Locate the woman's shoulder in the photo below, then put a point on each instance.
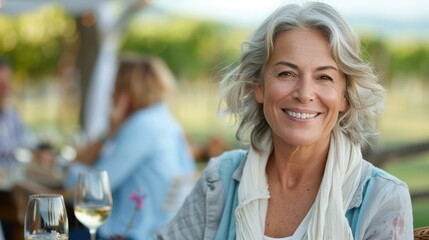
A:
(156, 113)
(152, 120)
(221, 169)
(384, 201)
(380, 176)
(380, 187)
(228, 162)
(377, 184)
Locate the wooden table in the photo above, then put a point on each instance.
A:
(9, 215)
(13, 203)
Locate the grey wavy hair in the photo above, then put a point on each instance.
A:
(365, 95)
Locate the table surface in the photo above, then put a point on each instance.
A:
(13, 202)
(9, 214)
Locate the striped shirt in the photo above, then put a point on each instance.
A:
(13, 134)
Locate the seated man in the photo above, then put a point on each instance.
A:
(13, 132)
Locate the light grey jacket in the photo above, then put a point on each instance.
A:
(380, 209)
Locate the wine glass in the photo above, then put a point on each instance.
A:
(93, 199)
(46, 218)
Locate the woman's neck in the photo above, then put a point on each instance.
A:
(298, 166)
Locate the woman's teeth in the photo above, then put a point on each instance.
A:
(301, 115)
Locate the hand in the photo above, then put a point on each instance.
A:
(119, 113)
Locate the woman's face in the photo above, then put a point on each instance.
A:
(303, 90)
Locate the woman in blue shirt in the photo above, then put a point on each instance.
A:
(144, 151)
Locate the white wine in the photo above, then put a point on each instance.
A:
(92, 216)
(47, 236)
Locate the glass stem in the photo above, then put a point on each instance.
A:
(92, 233)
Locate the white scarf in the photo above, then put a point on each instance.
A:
(339, 183)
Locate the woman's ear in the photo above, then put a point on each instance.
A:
(258, 90)
(344, 104)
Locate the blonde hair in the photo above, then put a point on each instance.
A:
(148, 79)
(364, 93)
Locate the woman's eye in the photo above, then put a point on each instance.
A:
(285, 74)
(325, 77)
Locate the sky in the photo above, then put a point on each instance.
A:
(245, 10)
(399, 18)
(388, 16)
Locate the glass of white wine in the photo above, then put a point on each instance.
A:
(46, 218)
(93, 199)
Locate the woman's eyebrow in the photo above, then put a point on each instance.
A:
(289, 64)
(328, 67)
(293, 66)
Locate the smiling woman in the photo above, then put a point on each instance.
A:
(309, 102)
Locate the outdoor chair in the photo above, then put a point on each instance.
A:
(421, 233)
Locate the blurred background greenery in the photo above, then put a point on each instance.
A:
(198, 51)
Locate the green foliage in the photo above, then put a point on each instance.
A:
(196, 49)
(396, 61)
(34, 41)
(193, 49)
(414, 62)
(420, 213)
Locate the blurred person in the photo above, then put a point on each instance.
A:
(308, 102)
(17, 141)
(44, 156)
(144, 150)
(13, 131)
(45, 166)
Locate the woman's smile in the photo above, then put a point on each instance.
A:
(304, 115)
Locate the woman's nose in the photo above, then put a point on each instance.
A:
(304, 90)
